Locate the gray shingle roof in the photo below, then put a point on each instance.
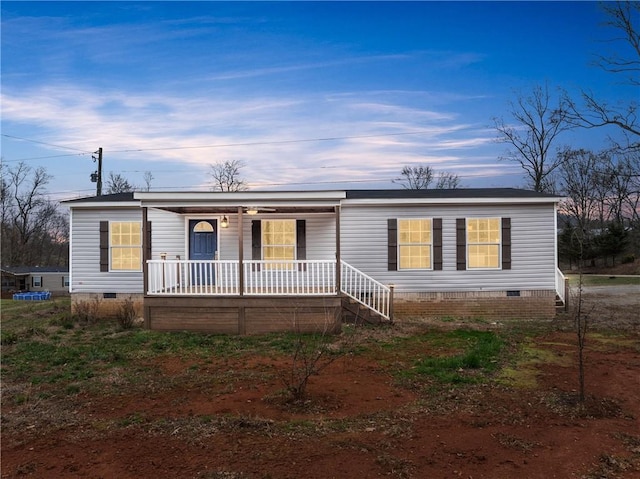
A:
(453, 193)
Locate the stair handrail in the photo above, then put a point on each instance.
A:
(365, 290)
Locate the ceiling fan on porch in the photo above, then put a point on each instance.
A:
(254, 210)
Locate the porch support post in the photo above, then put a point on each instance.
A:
(240, 252)
(145, 266)
(242, 327)
(338, 260)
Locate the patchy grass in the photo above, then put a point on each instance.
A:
(523, 370)
(603, 280)
(460, 356)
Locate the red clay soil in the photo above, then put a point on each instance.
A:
(358, 423)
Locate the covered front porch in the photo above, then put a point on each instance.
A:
(258, 296)
(218, 275)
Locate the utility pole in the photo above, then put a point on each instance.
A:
(96, 176)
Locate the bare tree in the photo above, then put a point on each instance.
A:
(116, 183)
(447, 181)
(623, 16)
(421, 177)
(31, 223)
(148, 177)
(537, 126)
(225, 176)
(579, 180)
(415, 177)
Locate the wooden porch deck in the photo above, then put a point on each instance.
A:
(243, 314)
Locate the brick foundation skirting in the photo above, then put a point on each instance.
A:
(108, 303)
(487, 305)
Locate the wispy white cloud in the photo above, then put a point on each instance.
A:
(282, 140)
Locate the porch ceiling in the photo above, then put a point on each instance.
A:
(230, 210)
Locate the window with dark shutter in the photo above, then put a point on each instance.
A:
(461, 244)
(148, 245)
(392, 242)
(256, 243)
(104, 246)
(437, 243)
(506, 243)
(301, 242)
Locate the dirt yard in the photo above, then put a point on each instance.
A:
(360, 420)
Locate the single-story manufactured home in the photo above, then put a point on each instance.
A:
(257, 261)
(54, 279)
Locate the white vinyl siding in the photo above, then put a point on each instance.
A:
(320, 236)
(364, 245)
(85, 261)
(168, 235)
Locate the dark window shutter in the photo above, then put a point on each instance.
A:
(461, 244)
(104, 246)
(148, 245)
(301, 242)
(256, 242)
(301, 239)
(392, 242)
(437, 243)
(506, 243)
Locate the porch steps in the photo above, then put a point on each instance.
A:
(561, 306)
(355, 312)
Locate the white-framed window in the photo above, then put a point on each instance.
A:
(279, 240)
(415, 244)
(66, 281)
(483, 243)
(36, 281)
(125, 245)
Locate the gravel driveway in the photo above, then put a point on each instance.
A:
(616, 307)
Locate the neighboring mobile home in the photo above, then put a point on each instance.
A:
(258, 261)
(54, 279)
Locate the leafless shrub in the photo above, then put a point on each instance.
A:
(314, 352)
(126, 314)
(86, 312)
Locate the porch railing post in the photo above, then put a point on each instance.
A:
(338, 260)
(240, 253)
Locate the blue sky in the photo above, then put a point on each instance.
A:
(307, 95)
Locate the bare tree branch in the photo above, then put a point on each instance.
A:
(226, 176)
(536, 129)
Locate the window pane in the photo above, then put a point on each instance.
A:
(278, 239)
(483, 256)
(126, 259)
(414, 240)
(483, 240)
(126, 242)
(415, 257)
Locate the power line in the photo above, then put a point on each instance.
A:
(45, 157)
(45, 143)
(260, 143)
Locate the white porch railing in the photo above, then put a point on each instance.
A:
(281, 278)
(193, 278)
(289, 278)
(561, 285)
(365, 290)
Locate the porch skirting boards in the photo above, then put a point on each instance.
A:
(487, 305)
(243, 315)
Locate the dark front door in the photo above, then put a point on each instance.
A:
(203, 246)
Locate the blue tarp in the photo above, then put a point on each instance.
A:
(34, 296)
